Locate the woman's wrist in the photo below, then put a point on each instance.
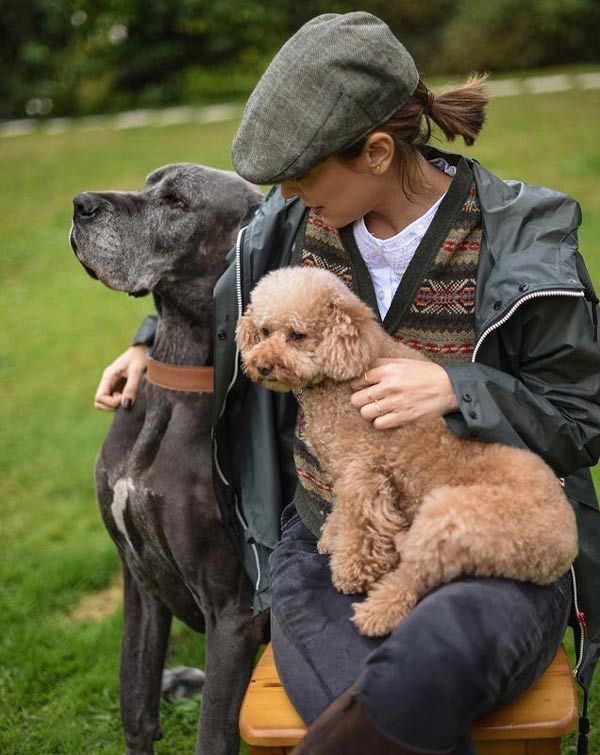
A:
(450, 398)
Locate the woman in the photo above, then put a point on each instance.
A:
(456, 263)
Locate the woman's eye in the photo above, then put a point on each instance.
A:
(264, 331)
(297, 336)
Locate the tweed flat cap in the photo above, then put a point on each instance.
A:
(339, 77)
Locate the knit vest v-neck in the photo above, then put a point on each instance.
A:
(432, 309)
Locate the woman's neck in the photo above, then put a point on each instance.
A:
(394, 211)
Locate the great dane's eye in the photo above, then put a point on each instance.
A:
(264, 331)
(297, 336)
(175, 202)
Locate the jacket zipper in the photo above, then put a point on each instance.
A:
(515, 306)
(238, 287)
(224, 480)
(580, 621)
(486, 332)
(254, 549)
(238, 290)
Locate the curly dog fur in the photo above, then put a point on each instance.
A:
(415, 506)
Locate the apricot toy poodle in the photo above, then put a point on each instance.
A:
(414, 507)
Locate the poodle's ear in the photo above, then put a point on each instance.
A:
(246, 333)
(351, 338)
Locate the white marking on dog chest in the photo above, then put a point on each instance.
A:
(121, 491)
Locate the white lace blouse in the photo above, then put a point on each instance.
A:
(387, 259)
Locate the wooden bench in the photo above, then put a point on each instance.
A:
(533, 725)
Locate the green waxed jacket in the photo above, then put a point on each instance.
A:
(534, 381)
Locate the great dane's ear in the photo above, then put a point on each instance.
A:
(156, 175)
(350, 338)
(246, 332)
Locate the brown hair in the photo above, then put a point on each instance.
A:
(458, 111)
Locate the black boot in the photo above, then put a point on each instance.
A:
(345, 728)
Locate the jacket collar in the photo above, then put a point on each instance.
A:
(530, 236)
(529, 242)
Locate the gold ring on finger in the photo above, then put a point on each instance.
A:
(371, 399)
(378, 407)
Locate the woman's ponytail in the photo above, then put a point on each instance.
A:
(459, 111)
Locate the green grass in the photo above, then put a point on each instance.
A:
(58, 676)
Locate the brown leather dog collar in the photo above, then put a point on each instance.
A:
(180, 377)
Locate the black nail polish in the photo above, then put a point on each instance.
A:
(127, 402)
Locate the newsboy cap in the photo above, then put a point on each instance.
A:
(339, 77)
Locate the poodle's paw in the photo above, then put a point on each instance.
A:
(375, 617)
(370, 621)
(355, 571)
(324, 547)
(330, 534)
(326, 543)
(348, 584)
(348, 577)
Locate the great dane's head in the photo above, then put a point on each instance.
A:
(178, 227)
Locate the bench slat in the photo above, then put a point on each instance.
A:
(546, 712)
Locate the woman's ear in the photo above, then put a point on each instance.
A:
(378, 152)
(350, 338)
(246, 333)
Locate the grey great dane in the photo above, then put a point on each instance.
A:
(153, 474)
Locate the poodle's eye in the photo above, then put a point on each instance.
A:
(297, 336)
(264, 331)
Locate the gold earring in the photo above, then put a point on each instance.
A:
(377, 169)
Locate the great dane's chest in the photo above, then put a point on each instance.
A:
(158, 505)
(123, 488)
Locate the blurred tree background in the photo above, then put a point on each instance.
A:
(75, 57)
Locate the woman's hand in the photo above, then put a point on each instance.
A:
(120, 380)
(399, 391)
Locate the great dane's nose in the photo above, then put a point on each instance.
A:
(264, 368)
(86, 205)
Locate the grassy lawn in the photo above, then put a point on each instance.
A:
(58, 669)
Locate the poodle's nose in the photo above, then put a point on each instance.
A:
(264, 368)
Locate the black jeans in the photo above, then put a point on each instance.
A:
(467, 648)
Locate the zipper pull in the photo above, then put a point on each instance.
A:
(583, 727)
(590, 295)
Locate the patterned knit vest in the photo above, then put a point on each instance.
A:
(432, 310)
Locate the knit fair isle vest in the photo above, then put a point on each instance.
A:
(432, 309)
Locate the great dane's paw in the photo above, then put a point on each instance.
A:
(183, 681)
